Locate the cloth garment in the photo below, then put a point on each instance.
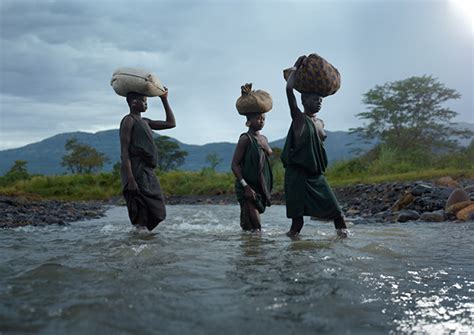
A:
(147, 206)
(257, 173)
(307, 192)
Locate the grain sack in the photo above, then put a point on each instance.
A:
(253, 101)
(316, 76)
(126, 80)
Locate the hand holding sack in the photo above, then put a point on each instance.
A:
(251, 101)
(126, 80)
(316, 75)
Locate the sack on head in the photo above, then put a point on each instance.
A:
(126, 80)
(253, 101)
(316, 76)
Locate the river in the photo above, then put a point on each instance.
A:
(199, 274)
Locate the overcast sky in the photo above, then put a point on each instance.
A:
(57, 58)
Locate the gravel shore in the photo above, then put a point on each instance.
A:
(441, 200)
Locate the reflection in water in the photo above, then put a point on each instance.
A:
(198, 273)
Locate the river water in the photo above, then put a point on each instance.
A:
(199, 274)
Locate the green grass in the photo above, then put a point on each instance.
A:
(107, 185)
(196, 183)
(426, 174)
(69, 187)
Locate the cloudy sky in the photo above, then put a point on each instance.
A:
(57, 58)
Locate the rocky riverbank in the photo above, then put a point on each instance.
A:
(443, 199)
(431, 201)
(19, 211)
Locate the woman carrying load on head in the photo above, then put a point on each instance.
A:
(250, 164)
(307, 192)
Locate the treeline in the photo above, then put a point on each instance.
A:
(387, 166)
(414, 131)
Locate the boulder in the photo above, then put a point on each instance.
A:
(454, 209)
(457, 196)
(437, 216)
(447, 182)
(352, 212)
(466, 214)
(408, 215)
(469, 188)
(420, 189)
(404, 201)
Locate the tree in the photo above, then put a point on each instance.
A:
(408, 114)
(213, 159)
(82, 158)
(170, 156)
(18, 171)
(275, 158)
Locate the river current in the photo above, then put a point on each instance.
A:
(197, 273)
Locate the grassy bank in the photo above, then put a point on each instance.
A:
(428, 174)
(107, 185)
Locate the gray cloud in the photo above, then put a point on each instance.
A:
(57, 58)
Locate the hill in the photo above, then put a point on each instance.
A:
(45, 157)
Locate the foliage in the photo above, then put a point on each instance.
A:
(213, 159)
(170, 157)
(67, 187)
(82, 158)
(116, 169)
(408, 115)
(197, 183)
(275, 158)
(104, 186)
(18, 171)
(384, 163)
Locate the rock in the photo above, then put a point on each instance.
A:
(469, 188)
(466, 214)
(408, 215)
(352, 212)
(454, 209)
(437, 216)
(447, 181)
(404, 201)
(457, 196)
(421, 189)
(357, 221)
(442, 192)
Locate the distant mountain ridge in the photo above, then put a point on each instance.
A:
(45, 157)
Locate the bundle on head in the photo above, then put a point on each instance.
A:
(126, 80)
(251, 102)
(316, 75)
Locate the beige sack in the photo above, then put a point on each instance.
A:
(126, 80)
(253, 101)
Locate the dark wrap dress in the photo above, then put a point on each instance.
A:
(147, 207)
(257, 173)
(307, 192)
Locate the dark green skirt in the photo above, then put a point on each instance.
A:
(309, 195)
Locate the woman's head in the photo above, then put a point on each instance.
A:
(137, 102)
(255, 121)
(311, 102)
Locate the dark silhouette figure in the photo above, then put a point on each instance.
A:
(140, 186)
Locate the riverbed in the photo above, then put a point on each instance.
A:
(197, 273)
